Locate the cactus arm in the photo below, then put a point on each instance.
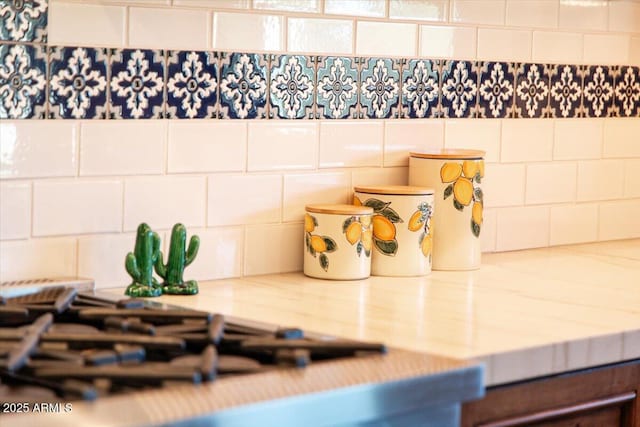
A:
(160, 268)
(156, 247)
(131, 265)
(192, 251)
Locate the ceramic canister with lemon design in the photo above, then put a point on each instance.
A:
(337, 241)
(402, 228)
(456, 175)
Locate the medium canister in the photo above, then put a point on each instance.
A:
(402, 228)
(456, 176)
(337, 241)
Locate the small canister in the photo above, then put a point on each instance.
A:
(402, 228)
(337, 241)
(456, 176)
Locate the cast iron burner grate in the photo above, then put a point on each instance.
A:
(60, 345)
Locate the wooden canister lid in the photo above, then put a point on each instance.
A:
(404, 190)
(449, 153)
(340, 209)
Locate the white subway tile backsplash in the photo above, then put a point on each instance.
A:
(634, 51)
(424, 10)
(583, 15)
(532, 13)
(244, 199)
(332, 36)
(163, 201)
(303, 189)
(448, 42)
(474, 134)
(102, 258)
(86, 25)
(374, 8)
(573, 224)
(600, 179)
(605, 49)
(503, 185)
(308, 6)
(220, 255)
(259, 32)
(207, 146)
(551, 183)
(621, 138)
(619, 220)
(214, 4)
(351, 143)
(624, 16)
(122, 148)
(488, 232)
(557, 47)
(38, 258)
(504, 45)
(273, 248)
(282, 145)
(380, 176)
(528, 140)
(383, 38)
(632, 178)
(15, 210)
(77, 207)
(522, 227)
(404, 136)
(38, 149)
(478, 11)
(577, 139)
(170, 28)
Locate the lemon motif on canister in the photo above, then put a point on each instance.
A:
(462, 178)
(384, 228)
(421, 220)
(317, 244)
(357, 231)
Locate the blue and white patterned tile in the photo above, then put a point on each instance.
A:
(597, 91)
(459, 86)
(337, 94)
(627, 92)
(420, 89)
(23, 81)
(192, 85)
(379, 88)
(496, 90)
(566, 91)
(243, 86)
(531, 91)
(136, 89)
(23, 20)
(292, 87)
(77, 83)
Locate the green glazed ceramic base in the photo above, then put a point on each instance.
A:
(137, 290)
(187, 288)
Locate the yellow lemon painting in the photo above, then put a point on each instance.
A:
(462, 179)
(358, 231)
(318, 245)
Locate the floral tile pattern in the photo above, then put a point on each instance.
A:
(192, 85)
(77, 83)
(337, 94)
(459, 83)
(597, 91)
(627, 92)
(23, 81)
(496, 90)
(137, 84)
(379, 88)
(566, 91)
(243, 86)
(420, 94)
(23, 20)
(292, 87)
(531, 90)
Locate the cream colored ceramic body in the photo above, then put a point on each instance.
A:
(456, 176)
(337, 242)
(402, 239)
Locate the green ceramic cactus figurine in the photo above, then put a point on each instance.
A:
(178, 259)
(139, 264)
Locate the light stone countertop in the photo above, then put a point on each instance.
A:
(524, 314)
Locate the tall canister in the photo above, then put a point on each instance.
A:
(337, 241)
(402, 228)
(456, 175)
